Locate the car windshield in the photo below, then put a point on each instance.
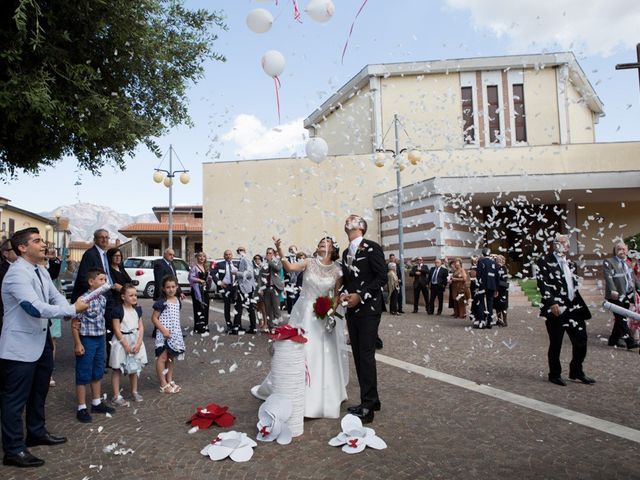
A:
(132, 262)
(180, 265)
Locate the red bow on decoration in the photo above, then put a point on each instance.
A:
(287, 332)
(212, 413)
(353, 443)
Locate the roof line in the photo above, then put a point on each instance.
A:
(454, 66)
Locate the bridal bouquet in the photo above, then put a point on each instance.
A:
(324, 309)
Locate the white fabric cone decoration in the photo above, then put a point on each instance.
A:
(288, 375)
(273, 415)
(235, 445)
(354, 437)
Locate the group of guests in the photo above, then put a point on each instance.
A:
(481, 292)
(257, 284)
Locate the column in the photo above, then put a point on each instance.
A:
(183, 247)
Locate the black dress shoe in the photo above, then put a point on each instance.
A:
(47, 439)
(558, 381)
(23, 459)
(355, 408)
(583, 378)
(364, 414)
(633, 345)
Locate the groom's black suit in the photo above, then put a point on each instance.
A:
(366, 274)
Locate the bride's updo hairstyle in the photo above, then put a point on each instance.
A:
(335, 249)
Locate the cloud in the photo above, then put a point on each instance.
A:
(253, 139)
(599, 27)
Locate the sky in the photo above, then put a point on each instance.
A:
(234, 111)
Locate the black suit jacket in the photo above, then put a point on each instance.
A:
(487, 275)
(162, 269)
(366, 276)
(441, 280)
(421, 279)
(554, 290)
(90, 258)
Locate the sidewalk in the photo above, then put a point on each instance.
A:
(433, 429)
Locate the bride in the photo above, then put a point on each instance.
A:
(325, 354)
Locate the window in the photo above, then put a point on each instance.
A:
(468, 131)
(180, 265)
(132, 262)
(12, 226)
(493, 112)
(197, 215)
(197, 246)
(519, 113)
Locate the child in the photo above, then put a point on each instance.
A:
(89, 347)
(127, 350)
(169, 340)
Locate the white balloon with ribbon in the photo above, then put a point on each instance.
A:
(317, 149)
(273, 65)
(259, 20)
(320, 10)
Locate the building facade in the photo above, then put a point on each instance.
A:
(509, 158)
(153, 238)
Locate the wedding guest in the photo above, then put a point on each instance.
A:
(461, 292)
(258, 298)
(246, 288)
(437, 283)
(290, 279)
(564, 310)
(272, 285)
(169, 343)
(226, 273)
(26, 359)
(420, 274)
(89, 347)
(128, 348)
(393, 287)
(300, 257)
(7, 257)
(54, 265)
(94, 257)
(473, 289)
(487, 286)
(200, 281)
(501, 302)
(120, 277)
(451, 303)
(621, 286)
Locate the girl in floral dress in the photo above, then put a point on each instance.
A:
(169, 341)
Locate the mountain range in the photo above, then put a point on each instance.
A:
(85, 218)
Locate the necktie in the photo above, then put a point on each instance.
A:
(627, 277)
(568, 276)
(435, 275)
(105, 264)
(39, 277)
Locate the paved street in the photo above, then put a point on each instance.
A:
(433, 428)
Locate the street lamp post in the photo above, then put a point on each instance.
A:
(414, 158)
(159, 176)
(57, 232)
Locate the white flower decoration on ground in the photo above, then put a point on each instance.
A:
(272, 417)
(235, 445)
(354, 438)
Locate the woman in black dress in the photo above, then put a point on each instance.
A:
(200, 282)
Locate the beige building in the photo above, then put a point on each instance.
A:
(13, 219)
(509, 158)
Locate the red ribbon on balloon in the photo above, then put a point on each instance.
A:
(344, 50)
(296, 11)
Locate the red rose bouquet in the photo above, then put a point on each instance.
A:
(322, 306)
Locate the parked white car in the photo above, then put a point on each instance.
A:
(141, 269)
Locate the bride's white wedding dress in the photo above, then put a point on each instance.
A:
(326, 355)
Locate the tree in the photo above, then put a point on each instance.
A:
(95, 78)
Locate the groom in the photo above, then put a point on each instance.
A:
(364, 275)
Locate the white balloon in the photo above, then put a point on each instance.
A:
(259, 20)
(273, 63)
(317, 149)
(320, 10)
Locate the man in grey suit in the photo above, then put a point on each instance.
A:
(271, 285)
(26, 355)
(246, 287)
(621, 285)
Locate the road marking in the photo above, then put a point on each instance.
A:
(531, 403)
(537, 405)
